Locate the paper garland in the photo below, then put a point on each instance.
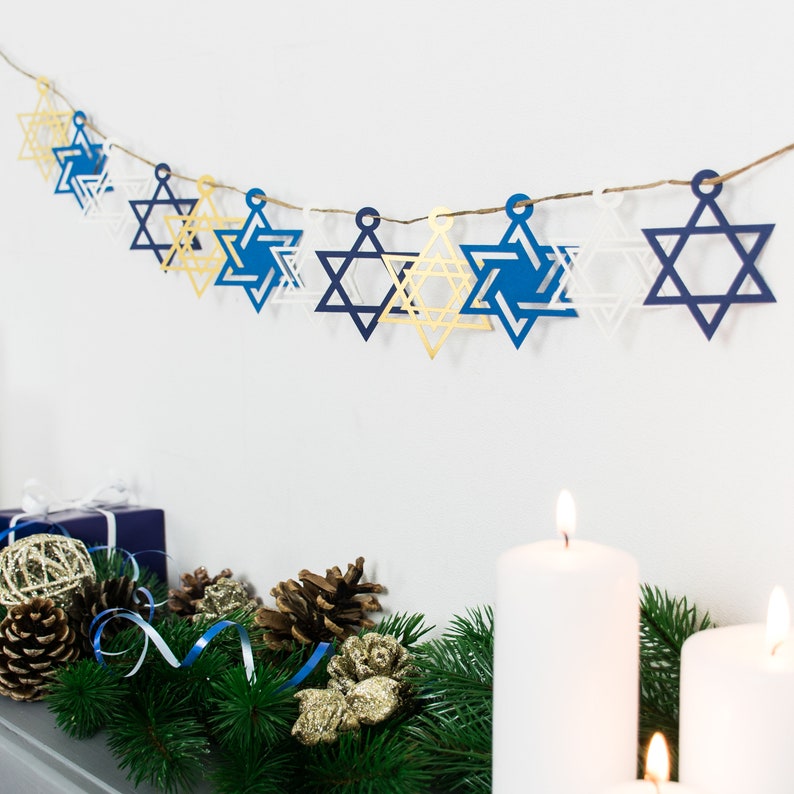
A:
(517, 281)
(345, 293)
(747, 240)
(195, 249)
(106, 198)
(431, 288)
(80, 158)
(255, 254)
(45, 129)
(152, 234)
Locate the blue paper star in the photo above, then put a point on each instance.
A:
(747, 276)
(79, 158)
(364, 315)
(163, 199)
(253, 252)
(518, 280)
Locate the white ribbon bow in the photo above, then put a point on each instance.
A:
(39, 501)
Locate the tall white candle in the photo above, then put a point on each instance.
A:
(737, 707)
(565, 666)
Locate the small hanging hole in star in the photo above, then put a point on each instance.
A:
(604, 200)
(515, 212)
(205, 185)
(162, 172)
(255, 198)
(367, 218)
(708, 192)
(43, 85)
(439, 221)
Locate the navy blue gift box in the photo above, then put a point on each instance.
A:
(138, 529)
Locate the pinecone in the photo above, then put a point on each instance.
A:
(184, 601)
(35, 639)
(320, 609)
(95, 597)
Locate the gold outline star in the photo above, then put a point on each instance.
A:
(202, 265)
(438, 260)
(44, 128)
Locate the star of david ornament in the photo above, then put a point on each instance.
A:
(518, 280)
(254, 254)
(45, 128)
(152, 233)
(203, 262)
(361, 286)
(80, 158)
(304, 279)
(432, 288)
(609, 275)
(685, 281)
(106, 198)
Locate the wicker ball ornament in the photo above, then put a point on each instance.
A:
(49, 566)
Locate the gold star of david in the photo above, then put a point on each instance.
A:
(432, 288)
(202, 264)
(44, 128)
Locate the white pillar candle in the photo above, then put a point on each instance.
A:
(657, 774)
(737, 707)
(566, 665)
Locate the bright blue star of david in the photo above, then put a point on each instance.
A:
(253, 253)
(518, 280)
(162, 198)
(79, 158)
(747, 275)
(364, 315)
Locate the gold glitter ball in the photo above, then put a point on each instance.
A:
(373, 654)
(223, 597)
(374, 700)
(323, 716)
(49, 566)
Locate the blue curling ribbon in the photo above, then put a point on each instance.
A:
(60, 527)
(323, 649)
(130, 559)
(151, 634)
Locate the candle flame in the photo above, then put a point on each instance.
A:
(566, 515)
(657, 762)
(778, 620)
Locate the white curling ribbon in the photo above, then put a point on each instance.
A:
(39, 501)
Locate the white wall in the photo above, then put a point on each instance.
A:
(274, 444)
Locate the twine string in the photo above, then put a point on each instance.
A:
(716, 180)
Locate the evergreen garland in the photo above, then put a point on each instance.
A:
(453, 725)
(171, 727)
(665, 623)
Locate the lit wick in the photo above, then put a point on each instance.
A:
(566, 516)
(657, 762)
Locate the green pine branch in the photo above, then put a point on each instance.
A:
(158, 739)
(380, 759)
(455, 717)
(86, 697)
(665, 624)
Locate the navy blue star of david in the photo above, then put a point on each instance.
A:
(79, 158)
(746, 275)
(252, 252)
(364, 315)
(162, 198)
(516, 283)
